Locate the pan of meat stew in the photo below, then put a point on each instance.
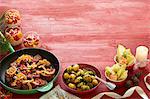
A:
(28, 71)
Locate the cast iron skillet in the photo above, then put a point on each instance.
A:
(5, 63)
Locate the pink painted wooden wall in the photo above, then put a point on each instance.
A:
(85, 31)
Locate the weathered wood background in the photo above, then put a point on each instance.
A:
(85, 31)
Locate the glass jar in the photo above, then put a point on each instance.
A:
(31, 39)
(14, 35)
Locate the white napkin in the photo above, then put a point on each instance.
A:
(128, 93)
(58, 93)
(147, 85)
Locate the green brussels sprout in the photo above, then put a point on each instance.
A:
(85, 87)
(89, 73)
(73, 72)
(81, 72)
(78, 79)
(80, 84)
(78, 73)
(90, 85)
(86, 73)
(84, 70)
(66, 76)
(67, 81)
(71, 85)
(87, 78)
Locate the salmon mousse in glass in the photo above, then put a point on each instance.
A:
(14, 35)
(31, 39)
(12, 16)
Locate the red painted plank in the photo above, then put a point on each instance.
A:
(86, 31)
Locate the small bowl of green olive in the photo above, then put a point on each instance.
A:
(80, 78)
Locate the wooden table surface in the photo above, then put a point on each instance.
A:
(85, 31)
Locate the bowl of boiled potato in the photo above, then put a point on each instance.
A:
(80, 78)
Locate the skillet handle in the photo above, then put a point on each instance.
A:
(11, 49)
(46, 88)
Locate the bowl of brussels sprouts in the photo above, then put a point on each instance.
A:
(80, 78)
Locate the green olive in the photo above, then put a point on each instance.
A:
(85, 87)
(94, 82)
(90, 85)
(66, 76)
(76, 67)
(71, 85)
